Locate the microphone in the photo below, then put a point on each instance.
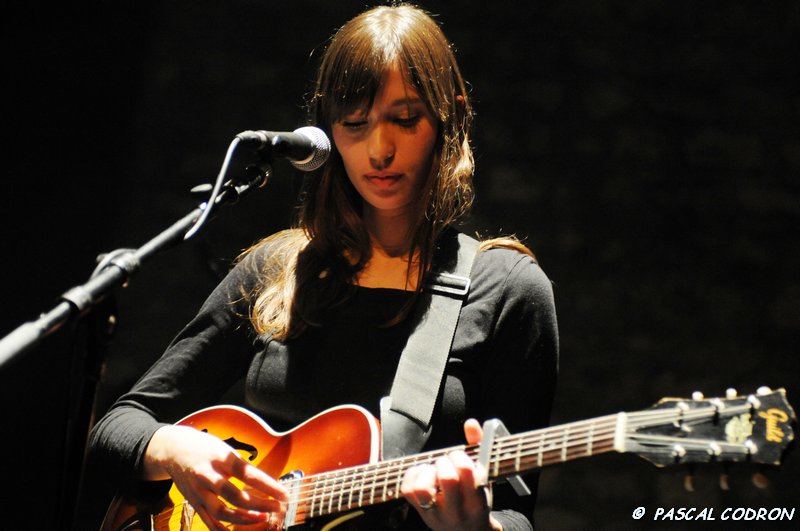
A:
(307, 148)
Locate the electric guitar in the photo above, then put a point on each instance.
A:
(330, 464)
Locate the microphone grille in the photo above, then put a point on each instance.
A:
(322, 149)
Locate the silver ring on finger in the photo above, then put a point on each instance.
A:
(429, 505)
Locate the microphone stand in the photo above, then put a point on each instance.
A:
(93, 300)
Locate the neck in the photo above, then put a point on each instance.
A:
(390, 232)
(388, 267)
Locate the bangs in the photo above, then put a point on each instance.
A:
(357, 80)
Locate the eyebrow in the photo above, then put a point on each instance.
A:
(399, 102)
(406, 102)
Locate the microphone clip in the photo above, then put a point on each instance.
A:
(253, 176)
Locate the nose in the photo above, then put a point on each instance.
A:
(381, 147)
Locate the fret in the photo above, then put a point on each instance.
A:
(328, 493)
(349, 485)
(385, 486)
(590, 439)
(372, 493)
(324, 498)
(314, 497)
(336, 494)
(539, 459)
(362, 486)
(340, 495)
(399, 482)
(361, 491)
(564, 445)
(349, 497)
(326, 502)
(552, 446)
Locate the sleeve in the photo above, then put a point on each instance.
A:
(521, 371)
(205, 359)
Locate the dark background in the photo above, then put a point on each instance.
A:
(648, 151)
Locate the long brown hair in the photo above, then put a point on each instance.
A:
(313, 266)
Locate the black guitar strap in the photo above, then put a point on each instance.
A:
(406, 414)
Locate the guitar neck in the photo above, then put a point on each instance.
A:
(352, 488)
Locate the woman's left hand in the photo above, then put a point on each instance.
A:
(452, 494)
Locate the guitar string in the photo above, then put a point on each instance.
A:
(322, 485)
(325, 484)
(308, 510)
(685, 441)
(637, 421)
(304, 510)
(389, 475)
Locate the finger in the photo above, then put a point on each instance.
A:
(419, 485)
(211, 522)
(472, 481)
(212, 493)
(250, 500)
(465, 469)
(256, 478)
(216, 508)
(449, 483)
(473, 431)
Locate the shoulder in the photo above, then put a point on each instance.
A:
(511, 274)
(263, 261)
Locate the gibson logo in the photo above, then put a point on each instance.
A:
(773, 416)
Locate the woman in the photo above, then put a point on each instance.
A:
(318, 315)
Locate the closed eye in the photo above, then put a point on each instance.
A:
(409, 122)
(353, 124)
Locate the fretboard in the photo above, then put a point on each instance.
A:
(356, 487)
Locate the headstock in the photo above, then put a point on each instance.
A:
(754, 428)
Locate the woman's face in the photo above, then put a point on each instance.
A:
(388, 149)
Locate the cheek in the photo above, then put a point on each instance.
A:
(347, 152)
(426, 147)
(428, 139)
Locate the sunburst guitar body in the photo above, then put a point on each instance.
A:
(339, 438)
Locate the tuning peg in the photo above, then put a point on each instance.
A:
(697, 395)
(725, 478)
(203, 189)
(688, 479)
(763, 390)
(731, 393)
(760, 480)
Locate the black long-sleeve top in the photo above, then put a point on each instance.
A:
(503, 364)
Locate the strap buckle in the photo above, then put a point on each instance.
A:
(449, 284)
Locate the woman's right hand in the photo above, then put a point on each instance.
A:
(201, 466)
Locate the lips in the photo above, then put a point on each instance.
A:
(383, 180)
